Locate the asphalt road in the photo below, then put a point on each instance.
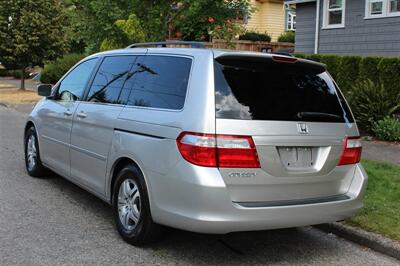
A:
(51, 221)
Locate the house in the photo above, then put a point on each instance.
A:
(270, 16)
(348, 27)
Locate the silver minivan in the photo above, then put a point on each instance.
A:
(204, 140)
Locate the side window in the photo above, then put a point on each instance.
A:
(160, 82)
(73, 85)
(111, 76)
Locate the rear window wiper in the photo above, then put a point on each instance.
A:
(319, 115)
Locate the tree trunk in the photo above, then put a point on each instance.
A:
(22, 79)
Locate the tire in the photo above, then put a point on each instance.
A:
(132, 209)
(33, 164)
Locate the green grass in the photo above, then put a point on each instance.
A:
(381, 212)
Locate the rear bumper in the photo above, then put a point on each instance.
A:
(207, 208)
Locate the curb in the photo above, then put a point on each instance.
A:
(371, 240)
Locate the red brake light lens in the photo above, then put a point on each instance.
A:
(218, 150)
(284, 59)
(198, 148)
(351, 151)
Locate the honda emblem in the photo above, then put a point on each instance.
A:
(302, 128)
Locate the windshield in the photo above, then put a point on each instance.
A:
(271, 92)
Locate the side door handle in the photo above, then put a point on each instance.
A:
(81, 115)
(67, 113)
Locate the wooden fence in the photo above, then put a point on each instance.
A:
(266, 47)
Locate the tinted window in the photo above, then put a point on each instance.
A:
(161, 82)
(272, 92)
(110, 78)
(73, 85)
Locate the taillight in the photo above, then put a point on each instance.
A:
(352, 151)
(218, 150)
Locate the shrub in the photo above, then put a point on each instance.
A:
(255, 36)
(389, 73)
(387, 129)
(17, 74)
(288, 36)
(348, 73)
(227, 32)
(314, 57)
(369, 68)
(4, 72)
(50, 74)
(370, 102)
(54, 71)
(12, 73)
(299, 55)
(332, 63)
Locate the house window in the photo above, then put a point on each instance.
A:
(291, 21)
(394, 6)
(382, 8)
(334, 13)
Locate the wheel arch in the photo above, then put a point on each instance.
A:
(118, 165)
(28, 125)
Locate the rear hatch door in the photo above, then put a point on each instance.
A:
(298, 120)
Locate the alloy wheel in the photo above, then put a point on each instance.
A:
(129, 204)
(31, 152)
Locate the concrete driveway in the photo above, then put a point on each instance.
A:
(51, 221)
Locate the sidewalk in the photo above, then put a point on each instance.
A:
(11, 83)
(381, 151)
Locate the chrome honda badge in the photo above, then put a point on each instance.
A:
(302, 128)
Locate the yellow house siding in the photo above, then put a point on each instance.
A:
(256, 20)
(269, 17)
(276, 19)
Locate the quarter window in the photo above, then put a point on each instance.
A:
(382, 8)
(73, 85)
(111, 76)
(160, 82)
(334, 13)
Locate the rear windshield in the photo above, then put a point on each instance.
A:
(277, 91)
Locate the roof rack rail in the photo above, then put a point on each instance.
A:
(164, 44)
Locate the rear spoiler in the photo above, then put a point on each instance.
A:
(261, 61)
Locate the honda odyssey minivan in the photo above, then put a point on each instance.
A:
(204, 140)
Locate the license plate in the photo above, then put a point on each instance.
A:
(296, 157)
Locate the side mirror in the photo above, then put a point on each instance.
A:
(44, 90)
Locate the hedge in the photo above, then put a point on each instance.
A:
(348, 70)
(348, 73)
(288, 36)
(389, 74)
(369, 68)
(334, 62)
(255, 37)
